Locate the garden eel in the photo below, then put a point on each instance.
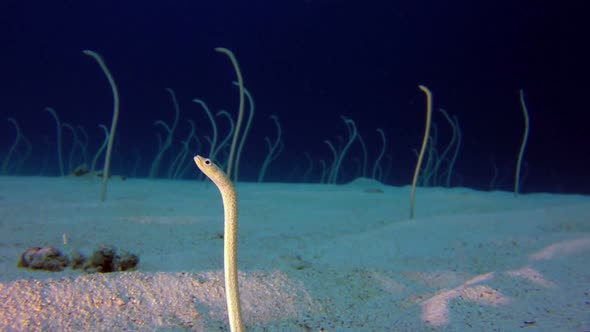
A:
(230, 237)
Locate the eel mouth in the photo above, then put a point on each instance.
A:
(201, 161)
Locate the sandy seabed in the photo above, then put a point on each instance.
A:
(338, 257)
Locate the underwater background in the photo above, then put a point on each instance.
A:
(308, 62)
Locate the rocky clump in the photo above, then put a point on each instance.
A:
(104, 259)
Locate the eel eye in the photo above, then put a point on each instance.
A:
(207, 161)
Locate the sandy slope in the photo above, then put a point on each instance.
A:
(343, 258)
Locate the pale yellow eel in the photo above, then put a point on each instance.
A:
(230, 238)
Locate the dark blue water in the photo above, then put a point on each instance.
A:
(307, 62)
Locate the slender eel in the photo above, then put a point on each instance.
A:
(230, 238)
